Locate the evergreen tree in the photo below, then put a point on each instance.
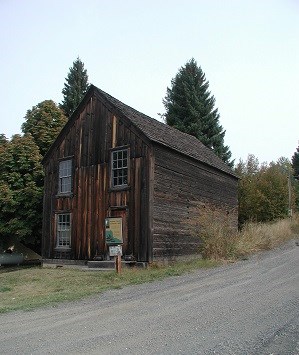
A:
(21, 189)
(75, 87)
(190, 108)
(295, 163)
(44, 122)
(3, 139)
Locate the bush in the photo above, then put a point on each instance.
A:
(217, 233)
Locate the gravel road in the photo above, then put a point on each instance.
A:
(250, 307)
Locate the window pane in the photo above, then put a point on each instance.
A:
(120, 167)
(65, 176)
(63, 230)
(115, 173)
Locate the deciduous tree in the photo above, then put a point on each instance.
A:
(263, 190)
(21, 189)
(44, 122)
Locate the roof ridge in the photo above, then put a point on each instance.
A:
(169, 136)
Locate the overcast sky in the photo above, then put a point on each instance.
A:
(248, 49)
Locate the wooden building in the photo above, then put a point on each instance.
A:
(113, 161)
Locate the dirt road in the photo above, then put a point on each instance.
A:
(250, 307)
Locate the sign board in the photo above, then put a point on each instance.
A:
(113, 230)
(115, 250)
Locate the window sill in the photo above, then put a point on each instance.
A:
(119, 188)
(67, 194)
(62, 248)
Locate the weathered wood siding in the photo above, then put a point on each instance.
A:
(181, 186)
(166, 194)
(88, 141)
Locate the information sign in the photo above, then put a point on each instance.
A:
(115, 250)
(113, 230)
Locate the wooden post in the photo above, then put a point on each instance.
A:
(118, 263)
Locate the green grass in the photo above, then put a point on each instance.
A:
(25, 289)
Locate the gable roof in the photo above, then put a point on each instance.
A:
(155, 131)
(168, 136)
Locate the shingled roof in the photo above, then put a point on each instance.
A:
(168, 136)
(154, 130)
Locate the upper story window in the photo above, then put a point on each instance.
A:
(65, 176)
(119, 159)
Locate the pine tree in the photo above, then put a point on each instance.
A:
(295, 163)
(190, 108)
(44, 122)
(75, 87)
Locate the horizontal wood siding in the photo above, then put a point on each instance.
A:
(160, 206)
(181, 186)
(88, 142)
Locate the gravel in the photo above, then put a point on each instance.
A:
(249, 307)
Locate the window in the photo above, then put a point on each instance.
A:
(64, 230)
(119, 167)
(65, 176)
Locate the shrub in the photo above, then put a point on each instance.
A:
(217, 232)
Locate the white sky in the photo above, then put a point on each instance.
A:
(248, 49)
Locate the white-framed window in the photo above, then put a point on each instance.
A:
(119, 167)
(63, 230)
(65, 176)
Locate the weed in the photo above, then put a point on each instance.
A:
(5, 288)
(220, 241)
(262, 236)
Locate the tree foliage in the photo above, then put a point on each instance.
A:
(75, 87)
(191, 109)
(21, 188)
(295, 163)
(263, 190)
(44, 122)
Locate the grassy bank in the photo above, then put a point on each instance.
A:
(33, 287)
(220, 242)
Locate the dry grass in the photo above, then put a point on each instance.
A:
(220, 241)
(262, 236)
(216, 231)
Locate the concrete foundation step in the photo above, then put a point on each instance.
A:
(109, 264)
(99, 265)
